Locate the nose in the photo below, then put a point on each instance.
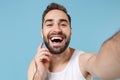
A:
(57, 28)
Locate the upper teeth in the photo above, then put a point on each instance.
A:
(56, 38)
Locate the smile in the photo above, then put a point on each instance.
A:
(56, 39)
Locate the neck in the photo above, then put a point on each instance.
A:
(60, 59)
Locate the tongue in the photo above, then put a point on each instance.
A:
(56, 44)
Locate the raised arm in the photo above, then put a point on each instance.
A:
(106, 64)
(39, 65)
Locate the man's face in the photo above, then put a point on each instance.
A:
(56, 31)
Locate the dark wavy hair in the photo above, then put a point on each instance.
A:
(55, 6)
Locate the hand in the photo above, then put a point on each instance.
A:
(42, 60)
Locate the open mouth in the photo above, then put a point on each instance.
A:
(56, 39)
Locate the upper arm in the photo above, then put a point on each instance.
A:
(31, 70)
(106, 64)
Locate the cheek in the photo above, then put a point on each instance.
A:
(45, 32)
(44, 36)
(67, 32)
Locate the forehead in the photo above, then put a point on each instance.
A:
(56, 15)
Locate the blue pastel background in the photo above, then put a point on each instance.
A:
(93, 21)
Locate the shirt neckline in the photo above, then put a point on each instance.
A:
(61, 72)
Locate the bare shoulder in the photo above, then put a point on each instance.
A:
(31, 70)
(83, 61)
(86, 56)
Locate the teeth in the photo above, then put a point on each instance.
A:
(56, 38)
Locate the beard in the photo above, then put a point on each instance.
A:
(57, 49)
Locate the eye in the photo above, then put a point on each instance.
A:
(63, 24)
(49, 25)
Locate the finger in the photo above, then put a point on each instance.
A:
(44, 54)
(45, 59)
(42, 58)
(41, 45)
(42, 50)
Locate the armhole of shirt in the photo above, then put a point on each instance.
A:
(75, 61)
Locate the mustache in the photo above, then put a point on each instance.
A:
(56, 33)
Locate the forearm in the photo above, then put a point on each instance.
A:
(37, 76)
(34, 73)
(39, 73)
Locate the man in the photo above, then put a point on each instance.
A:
(60, 62)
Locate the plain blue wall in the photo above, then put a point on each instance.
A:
(93, 21)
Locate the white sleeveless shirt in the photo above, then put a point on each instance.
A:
(71, 71)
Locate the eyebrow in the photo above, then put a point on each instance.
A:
(61, 20)
(48, 20)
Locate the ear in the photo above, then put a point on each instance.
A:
(41, 32)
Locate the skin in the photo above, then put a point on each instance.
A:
(45, 60)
